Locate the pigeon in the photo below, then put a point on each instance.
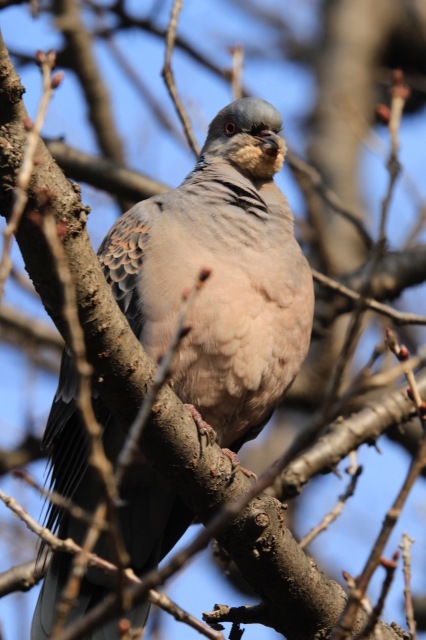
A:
(250, 332)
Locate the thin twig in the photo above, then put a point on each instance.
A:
(354, 330)
(64, 503)
(335, 512)
(246, 614)
(398, 317)
(164, 602)
(237, 53)
(390, 568)
(46, 62)
(144, 91)
(168, 76)
(347, 619)
(157, 577)
(405, 545)
(80, 563)
(298, 165)
(70, 547)
(104, 174)
(81, 58)
(21, 577)
(97, 457)
(131, 446)
(26, 451)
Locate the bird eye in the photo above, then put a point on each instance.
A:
(230, 128)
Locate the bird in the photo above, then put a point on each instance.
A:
(250, 332)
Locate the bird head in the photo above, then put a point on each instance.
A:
(245, 133)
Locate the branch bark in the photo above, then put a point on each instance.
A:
(108, 175)
(264, 549)
(25, 452)
(396, 271)
(21, 577)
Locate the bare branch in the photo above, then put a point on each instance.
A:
(104, 174)
(298, 166)
(27, 451)
(67, 505)
(344, 436)
(80, 58)
(237, 53)
(254, 614)
(405, 545)
(145, 92)
(169, 77)
(127, 21)
(25, 330)
(47, 62)
(394, 273)
(256, 537)
(97, 457)
(27, 575)
(21, 578)
(335, 512)
(348, 616)
(354, 329)
(390, 568)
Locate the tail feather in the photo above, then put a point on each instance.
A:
(152, 518)
(90, 595)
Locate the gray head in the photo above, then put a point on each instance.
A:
(245, 133)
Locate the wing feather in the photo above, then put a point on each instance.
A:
(121, 257)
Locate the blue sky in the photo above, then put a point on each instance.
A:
(25, 396)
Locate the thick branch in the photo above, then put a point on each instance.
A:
(258, 540)
(396, 271)
(343, 436)
(108, 175)
(79, 44)
(21, 578)
(27, 451)
(28, 332)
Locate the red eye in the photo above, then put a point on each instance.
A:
(230, 128)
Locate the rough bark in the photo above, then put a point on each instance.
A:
(301, 602)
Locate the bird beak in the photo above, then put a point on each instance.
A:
(271, 143)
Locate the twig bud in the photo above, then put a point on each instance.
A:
(403, 354)
(389, 564)
(40, 57)
(57, 79)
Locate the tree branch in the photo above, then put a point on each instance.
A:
(29, 333)
(108, 175)
(265, 551)
(396, 271)
(27, 451)
(22, 577)
(343, 436)
(79, 44)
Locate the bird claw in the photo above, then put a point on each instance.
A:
(203, 428)
(236, 464)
